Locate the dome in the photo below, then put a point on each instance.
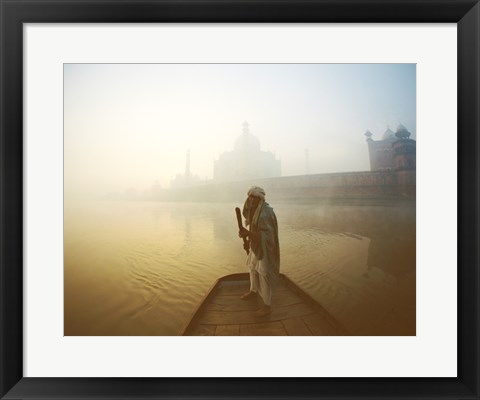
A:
(402, 132)
(246, 141)
(388, 134)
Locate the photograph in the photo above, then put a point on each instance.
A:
(186, 185)
(239, 199)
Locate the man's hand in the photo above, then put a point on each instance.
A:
(243, 233)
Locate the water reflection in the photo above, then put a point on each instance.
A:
(141, 268)
(360, 263)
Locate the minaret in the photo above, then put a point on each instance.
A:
(402, 132)
(187, 166)
(371, 152)
(404, 150)
(307, 163)
(368, 134)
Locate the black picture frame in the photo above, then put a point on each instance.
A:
(14, 13)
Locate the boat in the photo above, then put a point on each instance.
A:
(294, 313)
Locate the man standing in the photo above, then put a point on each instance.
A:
(263, 259)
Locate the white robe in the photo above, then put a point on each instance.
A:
(264, 271)
(259, 282)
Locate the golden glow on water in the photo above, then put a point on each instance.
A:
(140, 268)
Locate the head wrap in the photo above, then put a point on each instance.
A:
(257, 191)
(250, 219)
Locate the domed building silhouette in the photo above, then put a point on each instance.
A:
(246, 161)
(394, 152)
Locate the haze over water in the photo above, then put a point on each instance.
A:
(141, 268)
(127, 126)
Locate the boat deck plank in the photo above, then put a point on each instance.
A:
(275, 328)
(239, 288)
(227, 330)
(204, 330)
(235, 303)
(296, 327)
(319, 326)
(213, 317)
(224, 313)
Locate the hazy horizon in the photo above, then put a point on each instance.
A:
(127, 126)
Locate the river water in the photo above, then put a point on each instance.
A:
(141, 268)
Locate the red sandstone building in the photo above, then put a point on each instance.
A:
(394, 152)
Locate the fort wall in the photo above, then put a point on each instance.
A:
(333, 186)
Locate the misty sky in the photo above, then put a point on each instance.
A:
(128, 125)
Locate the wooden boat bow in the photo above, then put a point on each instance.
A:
(294, 313)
